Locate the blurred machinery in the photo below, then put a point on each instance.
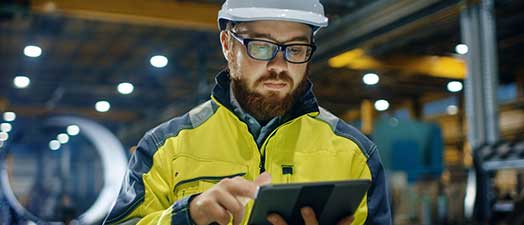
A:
(73, 178)
(496, 189)
(412, 153)
(413, 147)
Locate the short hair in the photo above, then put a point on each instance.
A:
(230, 25)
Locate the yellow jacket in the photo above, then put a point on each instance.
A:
(189, 154)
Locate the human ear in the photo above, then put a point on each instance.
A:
(225, 43)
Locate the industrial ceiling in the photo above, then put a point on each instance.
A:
(89, 47)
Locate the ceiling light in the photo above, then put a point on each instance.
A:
(54, 145)
(62, 138)
(32, 51)
(125, 88)
(102, 106)
(4, 136)
(455, 86)
(462, 49)
(21, 81)
(371, 79)
(381, 105)
(73, 130)
(158, 61)
(452, 110)
(5, 127)
(9, 116)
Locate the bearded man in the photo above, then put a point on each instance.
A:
(262, 125)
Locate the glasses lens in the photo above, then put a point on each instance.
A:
(298, 53)
(261, 50)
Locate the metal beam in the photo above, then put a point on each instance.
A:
(186, 15)
(436, 66)
(373, 21)
(478, 32)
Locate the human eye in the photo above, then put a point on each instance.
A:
(296, 50)
(260, 49)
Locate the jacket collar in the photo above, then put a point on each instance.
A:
(307, 103)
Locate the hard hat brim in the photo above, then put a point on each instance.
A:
(255, 14)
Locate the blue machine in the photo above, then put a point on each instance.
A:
(411, 146)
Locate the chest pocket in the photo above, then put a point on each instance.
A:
(192, 175)
(312, 165)
(321, 165)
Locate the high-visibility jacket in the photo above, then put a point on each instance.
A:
(189, 154)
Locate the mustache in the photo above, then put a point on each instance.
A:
(274, 76)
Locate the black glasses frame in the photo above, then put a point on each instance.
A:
(245, 42)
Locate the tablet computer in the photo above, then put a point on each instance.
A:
(331, 201)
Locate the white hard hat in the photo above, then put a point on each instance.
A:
(309, 12)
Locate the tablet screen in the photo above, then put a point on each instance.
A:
(331, 201)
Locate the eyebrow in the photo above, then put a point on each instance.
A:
(268, 36)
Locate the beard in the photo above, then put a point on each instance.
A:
(265, 107)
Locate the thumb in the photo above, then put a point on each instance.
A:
(263, 179)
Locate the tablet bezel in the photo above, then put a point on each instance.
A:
(333, 199)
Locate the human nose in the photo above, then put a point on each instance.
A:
(278, 63)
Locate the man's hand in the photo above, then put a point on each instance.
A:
(225, 199)
(309, 218)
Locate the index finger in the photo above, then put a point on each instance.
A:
(240, 187)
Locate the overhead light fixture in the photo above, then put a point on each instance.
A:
(381, 105)
(32, 51)
(455, 86)
(54, 145)
(452, 110)
(21, 82)
(158, 61)
(371, 79)
(4, 136)
(102, 106)
(9, 116)
(73, 130)
(462, 49)
(6, 127)
(125, 88)
(62, 138)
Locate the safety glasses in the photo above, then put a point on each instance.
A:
(267, 50)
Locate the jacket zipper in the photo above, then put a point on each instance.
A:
(262, 165)
(263, 153)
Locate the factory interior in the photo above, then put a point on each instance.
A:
(437, 85)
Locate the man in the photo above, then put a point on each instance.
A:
(261, 125)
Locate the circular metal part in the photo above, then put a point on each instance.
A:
(114, 163)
